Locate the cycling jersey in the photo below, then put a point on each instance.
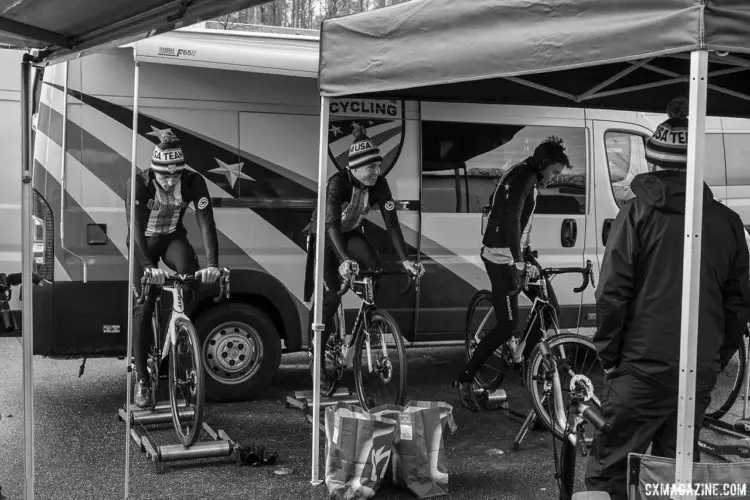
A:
(512, 207)
(348, 203)
(158, 214)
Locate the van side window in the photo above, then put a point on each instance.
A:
(462, 163)
(737, 148)
(626, 158)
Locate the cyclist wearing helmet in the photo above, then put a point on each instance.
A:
(350, 196)
(506, 253)
(162, 194)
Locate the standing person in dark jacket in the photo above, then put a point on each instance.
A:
(506, 250)
(639, 308)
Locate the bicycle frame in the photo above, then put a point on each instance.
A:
(367, 295)
(177, 313)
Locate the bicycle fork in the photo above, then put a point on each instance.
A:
(552, 373)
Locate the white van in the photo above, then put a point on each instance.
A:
(246, 108)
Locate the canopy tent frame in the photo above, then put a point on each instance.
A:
(541, 54)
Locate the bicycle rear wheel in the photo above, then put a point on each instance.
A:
(380, 362)
(186, 396)
(576, 356)
(729, 383)
(480, 319)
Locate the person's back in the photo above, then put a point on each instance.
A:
(652, 343)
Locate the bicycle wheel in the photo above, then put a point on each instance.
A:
(333, 364)
(576, 356)
(728, 383)
(186, 394)
(480, 319)
(380, 362)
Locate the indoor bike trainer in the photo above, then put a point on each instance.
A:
(160, 418)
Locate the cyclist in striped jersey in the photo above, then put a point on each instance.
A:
(162, 195)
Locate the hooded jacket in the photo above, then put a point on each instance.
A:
(639, 297)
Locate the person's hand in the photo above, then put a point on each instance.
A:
(532, 271)
(415, 268)
(209, 275)
(157, 276)
(348, 267)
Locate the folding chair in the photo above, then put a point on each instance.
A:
(648, 475)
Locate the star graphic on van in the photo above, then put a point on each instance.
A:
(335, 130)
(157, 132)
(231, 172)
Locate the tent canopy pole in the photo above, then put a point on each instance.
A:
(318, 297)
(131, 265)
(27, 310)
(691, 268)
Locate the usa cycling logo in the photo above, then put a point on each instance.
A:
(384, 121)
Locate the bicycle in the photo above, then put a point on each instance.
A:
(369, 334)
(180, 343)
(583, 407)
(519, 350)
(736, 373)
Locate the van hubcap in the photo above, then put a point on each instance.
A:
(232, 353)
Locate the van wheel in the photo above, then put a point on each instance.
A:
(241, 350)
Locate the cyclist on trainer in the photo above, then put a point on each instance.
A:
(351, 194)
(506, 260)
(162, 194)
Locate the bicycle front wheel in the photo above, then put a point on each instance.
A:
(380, 362)
(575, 357)
(186, 396)
(728, 384)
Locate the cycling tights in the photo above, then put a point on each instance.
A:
(178, 255)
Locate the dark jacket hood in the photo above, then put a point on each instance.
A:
(665, 190)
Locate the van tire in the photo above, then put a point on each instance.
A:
(227, 332)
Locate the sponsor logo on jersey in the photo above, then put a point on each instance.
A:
(202, 203)
(389, 205)
(163, 208)
(384, 121)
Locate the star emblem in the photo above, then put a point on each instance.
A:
(157, 132)
(371, 123)
(335, 130)
(231, 171)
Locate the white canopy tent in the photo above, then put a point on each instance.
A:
(53, 32)
(611, 54)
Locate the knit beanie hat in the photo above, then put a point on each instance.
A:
(667, 148)
(168, 157)
(363, 151)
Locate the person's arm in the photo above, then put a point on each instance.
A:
(616, 288)
(518, 189)
(335, 196)
(204, 212)
(139, 236)
(736, 297)
(384, 199)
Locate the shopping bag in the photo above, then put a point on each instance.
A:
(418, 461)
(358, 448)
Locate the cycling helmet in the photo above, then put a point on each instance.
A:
(168, 157)
(551, 150)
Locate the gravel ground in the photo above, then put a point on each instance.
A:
(80, 444)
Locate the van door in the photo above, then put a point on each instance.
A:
(465, 150)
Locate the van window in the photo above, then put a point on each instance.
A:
(737, 148)
(462, 163)
(626, 158)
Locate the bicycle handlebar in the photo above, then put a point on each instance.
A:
(346, 284)
(183, 279)
(591, 414)
(546, 272)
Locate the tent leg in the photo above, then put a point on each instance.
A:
(131, 264)
(691, 268)
(318, 297)
(27, 330)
